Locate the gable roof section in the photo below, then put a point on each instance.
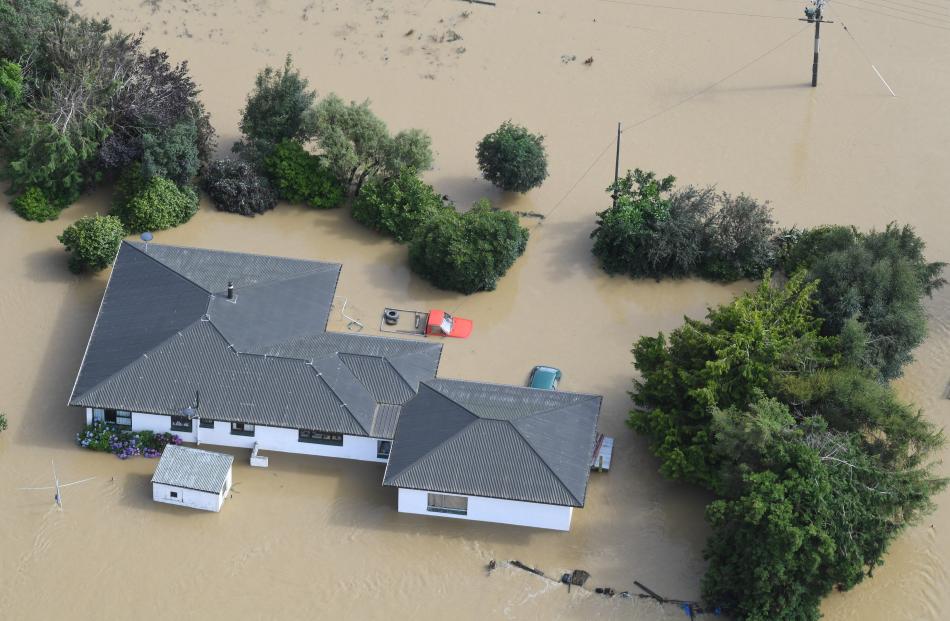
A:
(495, 441)
(190, 468)
(162, 335)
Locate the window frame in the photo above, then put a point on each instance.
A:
(433, 505)
(380, 453)
(205, 423)
(179, 426)
(316, 436)
(243, 430)
(116, 417)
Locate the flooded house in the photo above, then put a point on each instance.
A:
(494, 453)
(231, 349)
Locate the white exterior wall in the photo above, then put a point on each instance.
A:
(278, 439)
(189, 497)
(495, 510)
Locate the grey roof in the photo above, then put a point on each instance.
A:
(496, 441)
(166, 330)
(190, 468)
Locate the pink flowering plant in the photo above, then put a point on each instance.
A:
(124, 444)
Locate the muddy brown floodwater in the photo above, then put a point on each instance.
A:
(708, 96)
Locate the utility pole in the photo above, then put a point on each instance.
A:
(617, 166)
(813, 15)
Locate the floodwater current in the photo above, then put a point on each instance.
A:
(710, 92)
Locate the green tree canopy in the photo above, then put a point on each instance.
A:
(654, 231)
(357, 145)
(172, 152)
(399, 206)
(467, 252)
(741, 349)
(93, 242)
(278, 109)
(301, 177)
(876, 278)
(152, 204)
(513, 158)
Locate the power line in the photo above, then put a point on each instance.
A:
(941, 14)
(903, 19)
(868, 58)
(668, 109)
(692, 10)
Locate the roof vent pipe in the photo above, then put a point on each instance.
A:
(230, 290)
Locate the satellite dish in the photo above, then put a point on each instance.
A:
(147, 236)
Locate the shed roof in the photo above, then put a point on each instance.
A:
(495, 441)
(166, 329)
(191, 468)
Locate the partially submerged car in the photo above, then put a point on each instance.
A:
(544, 377)
(440, 323)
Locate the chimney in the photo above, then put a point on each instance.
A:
(230, 290)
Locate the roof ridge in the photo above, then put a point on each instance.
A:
(339, 398)
(475, 418)
(561, 406)
(169, 268)
(544, 461)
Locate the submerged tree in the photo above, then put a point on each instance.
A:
(467, 252)
(513, 158)
(277, 110)
(876, 279)
(358, 146)
(93, 242)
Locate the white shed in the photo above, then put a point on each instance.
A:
(192, 478)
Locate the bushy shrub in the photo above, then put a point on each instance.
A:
(171, 152)
(513, 158)
(3, 421)
(623, 235)
(876, 279)
(398, 206)
(32, 205)
(654, 231)
(93, 242)
(467, 252)
(738, 242)
(278, 109)
(122, 443)
(152, 204)
(358, 146)
(234, 185)
(301, 177)
(11, 89)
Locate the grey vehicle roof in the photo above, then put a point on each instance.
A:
(496, 441)
(181, 466)
(166, 329)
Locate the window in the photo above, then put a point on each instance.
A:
(181, 423)
(320, 437)
(205, 423)
(119, 418)
(242, 429)
(382, 449)
(443, 503)
(173, 494)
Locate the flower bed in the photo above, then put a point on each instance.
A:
(124, 444)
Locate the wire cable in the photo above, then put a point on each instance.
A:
(664, 111)
(692, 10)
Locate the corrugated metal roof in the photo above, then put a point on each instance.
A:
(495, 441)
(190, 468)
(262, 358)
